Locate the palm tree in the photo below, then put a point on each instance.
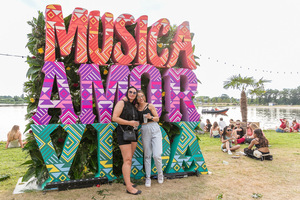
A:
(242, 84)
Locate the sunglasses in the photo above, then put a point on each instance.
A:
(139, 97)
(229, 129)
(238, 124)
(131, 92)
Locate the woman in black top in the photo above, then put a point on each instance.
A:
(125, 114)
(260, 142)
(208, 125)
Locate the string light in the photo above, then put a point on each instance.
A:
(2, 54)
(265, 71)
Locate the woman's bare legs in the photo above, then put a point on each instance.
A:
(127, 153)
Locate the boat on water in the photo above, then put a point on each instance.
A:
(215, 111)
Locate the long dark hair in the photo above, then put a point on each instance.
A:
(215, 125)
(263, 141)
(225, 131)
(134, 100)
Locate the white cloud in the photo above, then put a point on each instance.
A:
(261, 35)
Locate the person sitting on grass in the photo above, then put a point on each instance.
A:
(208, 126)
(239, 133)
(287, 126)
(227, 140)
(215, 130)
(282, 126)
(249, 136)
(295, 127)
(14, 138)
(201, 126)
(262, 146)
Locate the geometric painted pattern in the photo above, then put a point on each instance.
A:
(155, 32)
(141, 38)
(137, 171)
(105, 149)
(182, 44)
(174, 96)
(58, 168)
(185, 154)
(68, 116)
(126, 40)
(90, 79)
(55, 26)
(97, 55)
(154, 86)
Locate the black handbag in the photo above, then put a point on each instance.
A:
(129, 135)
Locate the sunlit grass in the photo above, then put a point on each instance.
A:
(11, 160)
(285, 148)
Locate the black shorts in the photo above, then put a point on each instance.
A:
(120, 138)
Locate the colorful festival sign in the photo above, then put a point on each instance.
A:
(180, 85)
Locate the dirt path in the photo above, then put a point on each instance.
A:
(239, 179)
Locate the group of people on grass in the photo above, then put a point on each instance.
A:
(285, 126)
(234, 134)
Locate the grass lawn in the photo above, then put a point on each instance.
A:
(239, 179)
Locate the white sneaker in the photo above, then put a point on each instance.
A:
(160, 178)
(225, 150)
(229, 152)
(148, 182)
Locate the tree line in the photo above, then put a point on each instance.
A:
(277, 97)
(6, 99)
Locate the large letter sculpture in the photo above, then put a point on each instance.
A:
(141, 40)
(55, 26)
(185, 151)
(90, 78)
(127, 40)
(182, 44)
(175, 99)
(100, 56)
(180, 85)
(154, 86)
(158, 29)
(58, 168)
(68, 116)
(104, 150)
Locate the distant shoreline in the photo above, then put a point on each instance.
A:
(256, 106)
(3, 105)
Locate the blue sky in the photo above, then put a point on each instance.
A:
(253, 38)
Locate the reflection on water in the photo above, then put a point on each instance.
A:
(267, 116)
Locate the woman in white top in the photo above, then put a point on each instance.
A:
(14, 138)
(215, 130)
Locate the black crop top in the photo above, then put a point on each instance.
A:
(129, 113)
(145, 111)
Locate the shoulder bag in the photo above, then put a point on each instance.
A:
(129, 135)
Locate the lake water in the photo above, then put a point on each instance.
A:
(267, 116)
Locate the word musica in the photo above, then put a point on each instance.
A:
(180, 85)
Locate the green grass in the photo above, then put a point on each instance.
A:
(11, 160)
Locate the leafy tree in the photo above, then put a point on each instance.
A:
(242, 84)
